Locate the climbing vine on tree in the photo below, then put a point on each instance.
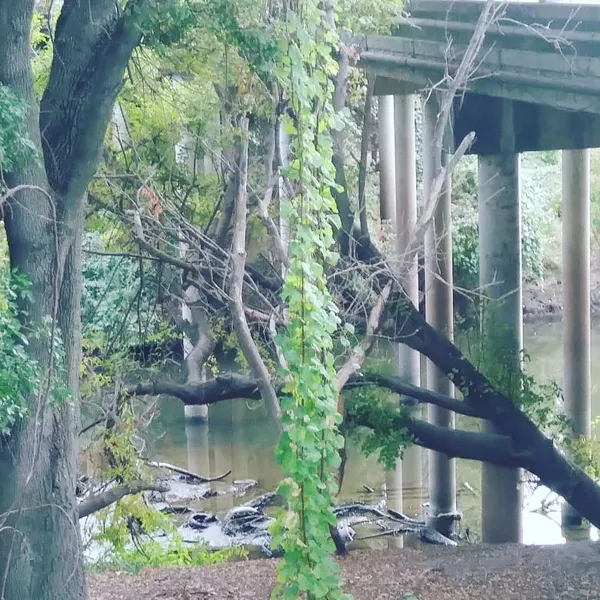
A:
(309, 447)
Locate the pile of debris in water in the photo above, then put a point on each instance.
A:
(248, 524)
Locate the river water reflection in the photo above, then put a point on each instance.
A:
(238, 438)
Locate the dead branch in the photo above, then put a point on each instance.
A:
(264, 203)
(220, 228)
(434, 197)
(240, 324)
(457, 82)
(10, 192)
(359, 353)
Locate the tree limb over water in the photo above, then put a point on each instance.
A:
(520, 443)
(99, 501)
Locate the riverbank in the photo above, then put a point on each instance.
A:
(543, 300)
(508, 572)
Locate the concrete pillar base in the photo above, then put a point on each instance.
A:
(196, 413)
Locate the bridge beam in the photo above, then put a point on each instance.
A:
(502, 325)
(576, 298)
(405, 217)
(438, 310)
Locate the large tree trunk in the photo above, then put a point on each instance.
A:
(40, 550)
(40, 554)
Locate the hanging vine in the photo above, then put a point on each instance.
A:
(308, 451)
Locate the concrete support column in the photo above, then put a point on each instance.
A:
(196, 413)
(405, 219)
(387, 215)
(439, 313)
(196, 435)
(191, 412)
(387, 158)
(576, 297)
(502, 325)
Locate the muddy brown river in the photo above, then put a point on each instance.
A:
(237, 438)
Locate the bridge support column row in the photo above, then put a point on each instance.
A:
(576, 298)
(387, 214)
(500, 278)
(442, 486)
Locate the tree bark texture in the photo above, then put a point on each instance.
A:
(40, 549)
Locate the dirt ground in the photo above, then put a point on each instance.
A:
(507, 572)
(544, 299)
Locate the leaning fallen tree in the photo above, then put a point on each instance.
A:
(518, 441)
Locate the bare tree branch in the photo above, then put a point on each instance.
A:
(240, 325)
(359, 353)
(397, 384)
(201, 478)
(97, 502)
(264, 203)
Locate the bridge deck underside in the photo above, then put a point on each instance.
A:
(544, 58)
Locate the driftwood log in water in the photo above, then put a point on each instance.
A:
(399, 523)
(181, 471)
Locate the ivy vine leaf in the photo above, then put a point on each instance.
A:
(308, 451)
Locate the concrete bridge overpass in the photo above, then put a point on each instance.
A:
(545, 58)
(535, 85)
